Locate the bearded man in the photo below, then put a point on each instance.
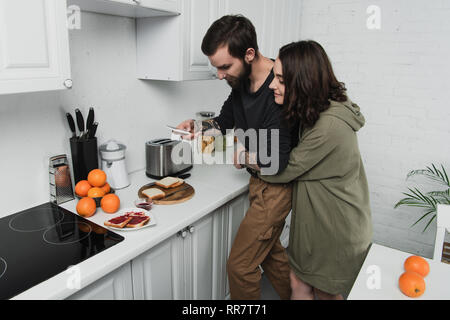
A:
(231, 46)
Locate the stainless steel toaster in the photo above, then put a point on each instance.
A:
(166, 157)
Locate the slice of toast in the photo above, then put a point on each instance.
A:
(135, 214)
(137, 222)
(169, 182)
(154, 193)
(118, 222)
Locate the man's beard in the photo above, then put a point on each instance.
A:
(238, 82)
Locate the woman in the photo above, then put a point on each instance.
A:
(331, 227)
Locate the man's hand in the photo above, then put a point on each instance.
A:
(197, 128)
(243, 159)
(188, 125)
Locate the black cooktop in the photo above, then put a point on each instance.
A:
(38, 243)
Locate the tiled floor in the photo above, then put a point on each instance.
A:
(267, 291)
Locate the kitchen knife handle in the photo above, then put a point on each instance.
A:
(90, 119)
(71, 124)
(80, 121)
(93, 130)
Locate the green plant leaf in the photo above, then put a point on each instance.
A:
(430, 200)
(433, 174)
(445, 175)
(431, 220)
(426, 214)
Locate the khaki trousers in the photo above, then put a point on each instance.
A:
(257, 243)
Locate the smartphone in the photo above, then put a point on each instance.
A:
(178, 131)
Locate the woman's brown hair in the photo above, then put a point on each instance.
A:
(309, 82)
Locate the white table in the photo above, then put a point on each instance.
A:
(378, 277)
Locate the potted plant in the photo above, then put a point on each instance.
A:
(429, 200)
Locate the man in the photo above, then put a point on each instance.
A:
(231, 46)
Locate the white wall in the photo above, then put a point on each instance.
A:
(399, 77)
(33, 126)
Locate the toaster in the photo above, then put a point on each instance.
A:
(159, 160)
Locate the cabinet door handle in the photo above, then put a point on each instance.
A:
(182, 233)
(68, 83)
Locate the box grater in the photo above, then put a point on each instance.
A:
(60, 182)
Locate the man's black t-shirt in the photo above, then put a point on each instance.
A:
(257, 110)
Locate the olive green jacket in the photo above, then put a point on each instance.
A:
(331, 227)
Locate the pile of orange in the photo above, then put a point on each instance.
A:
(412, 282)
(95, 187)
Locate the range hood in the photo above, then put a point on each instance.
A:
(129, 8)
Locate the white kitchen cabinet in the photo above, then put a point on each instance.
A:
(169, 48)
(159, 273)
(191, 264)
(181, 267)
(164, 5)
(198, 255)
(277, 22)
(34, 46)
(220, 254)
(130, 8)
(115, 286)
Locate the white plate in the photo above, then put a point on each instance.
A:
(122, 212)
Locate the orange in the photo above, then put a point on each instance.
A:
(86, 207)
(82, 188)
(97, 178)
(411, 284)
(96, 192)
(106, 188)
(417, 264)
(84, 227)
(110, 203)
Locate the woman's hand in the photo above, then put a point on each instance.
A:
(238, 157)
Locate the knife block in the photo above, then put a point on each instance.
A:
(84, 157)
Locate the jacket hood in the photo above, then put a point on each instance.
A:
(348, 112)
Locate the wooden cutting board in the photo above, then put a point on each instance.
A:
(185, 192)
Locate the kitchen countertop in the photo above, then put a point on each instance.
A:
(214, 185)
(378, 277)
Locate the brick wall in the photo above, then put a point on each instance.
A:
(399, 75)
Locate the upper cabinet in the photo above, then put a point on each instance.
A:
(130, 8)
(169, 48)
(277, 22)
(34, 46)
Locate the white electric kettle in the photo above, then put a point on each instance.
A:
(112, 156)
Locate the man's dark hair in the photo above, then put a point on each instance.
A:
(236, 31)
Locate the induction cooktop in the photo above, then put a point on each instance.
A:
(38, 243)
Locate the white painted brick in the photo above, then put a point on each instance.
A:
(399, 77)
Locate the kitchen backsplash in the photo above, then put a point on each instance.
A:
(103, 54)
